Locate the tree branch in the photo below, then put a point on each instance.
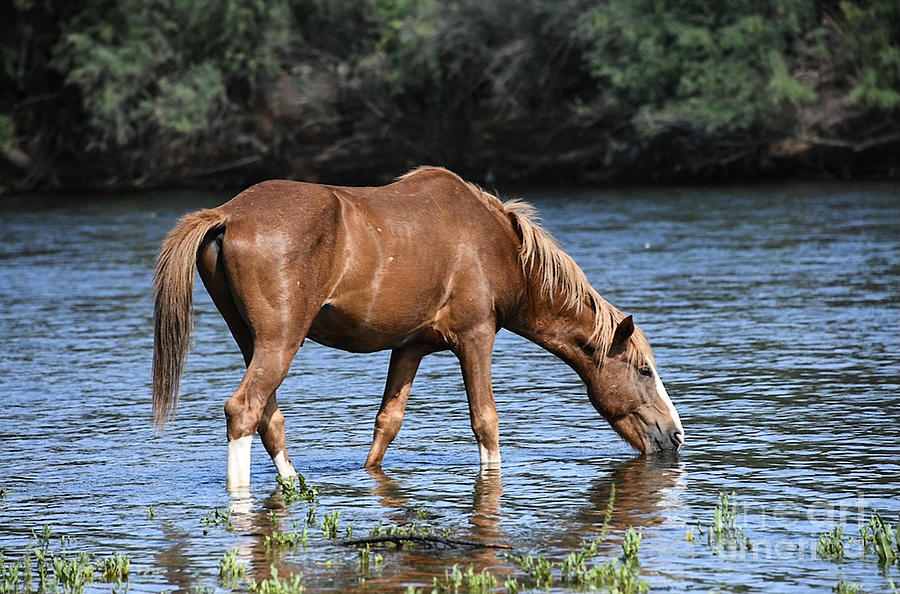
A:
(428, 540)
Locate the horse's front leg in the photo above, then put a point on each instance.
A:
(474, 353)
(401, 372)
(271, 431)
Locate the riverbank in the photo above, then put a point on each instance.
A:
(139, 95)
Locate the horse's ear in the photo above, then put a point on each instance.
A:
(623, 332)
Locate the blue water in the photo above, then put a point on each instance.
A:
(773, 311)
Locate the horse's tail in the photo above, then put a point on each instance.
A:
(174, 289)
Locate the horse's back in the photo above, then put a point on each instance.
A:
(422, 258)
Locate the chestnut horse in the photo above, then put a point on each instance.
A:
(427, 263)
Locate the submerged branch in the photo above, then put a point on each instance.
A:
(429, 540)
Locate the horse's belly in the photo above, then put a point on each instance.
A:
(365, 331)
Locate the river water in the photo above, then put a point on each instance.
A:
(773, 311)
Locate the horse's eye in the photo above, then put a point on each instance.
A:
(645, 371)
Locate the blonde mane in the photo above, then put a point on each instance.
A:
(561, 278)
(557, 274)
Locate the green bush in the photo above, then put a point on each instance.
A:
(716, 66)
(139, 65)
(126, 91)
(872, 30)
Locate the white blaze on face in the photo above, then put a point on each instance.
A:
(238, 473)
(661, 390)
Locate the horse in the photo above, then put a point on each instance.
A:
(427, 263)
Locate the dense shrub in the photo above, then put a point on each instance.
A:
(149, 92)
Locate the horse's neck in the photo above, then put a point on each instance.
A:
(561, 331)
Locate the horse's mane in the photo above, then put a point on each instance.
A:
(562, 279)
(556, 273)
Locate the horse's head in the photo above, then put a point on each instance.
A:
(629, 393)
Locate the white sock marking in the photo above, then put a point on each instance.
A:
(285, 468)
(487, 459)
(238, 473)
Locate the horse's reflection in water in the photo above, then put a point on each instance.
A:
(255, 524)
(485, 518)
(646, 489)
(176, 563)
(388, 491)
(419, 564)
(485, 511)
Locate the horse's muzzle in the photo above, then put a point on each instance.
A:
(663, 439)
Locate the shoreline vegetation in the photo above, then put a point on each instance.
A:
(140, 94)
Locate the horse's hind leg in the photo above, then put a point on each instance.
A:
(245, 409)
(402, 370)
(271, 424)
(271, 430)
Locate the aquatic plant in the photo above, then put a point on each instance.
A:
(285, 540)
(573, 567)
(538, 568)
(482, 582)
(330, 524)
(367, 560)
(42, 539)
(311, 515)
(512, 585)
(4, 493)
(410, 530)
(73, 574)
(275, 585)
(724, 532)
(115, 568)
(831, 545)
(295, 489)
(455, 581)
(615, 575)
(607, 516)
(843, 587)
(452, 582)
(217, 518)
(231, 571)
(42, 555)
(631, 546)
(619, 576)
(414, 529)
(11, 574)
(622, 578)
(151, 512)
(879, 537)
